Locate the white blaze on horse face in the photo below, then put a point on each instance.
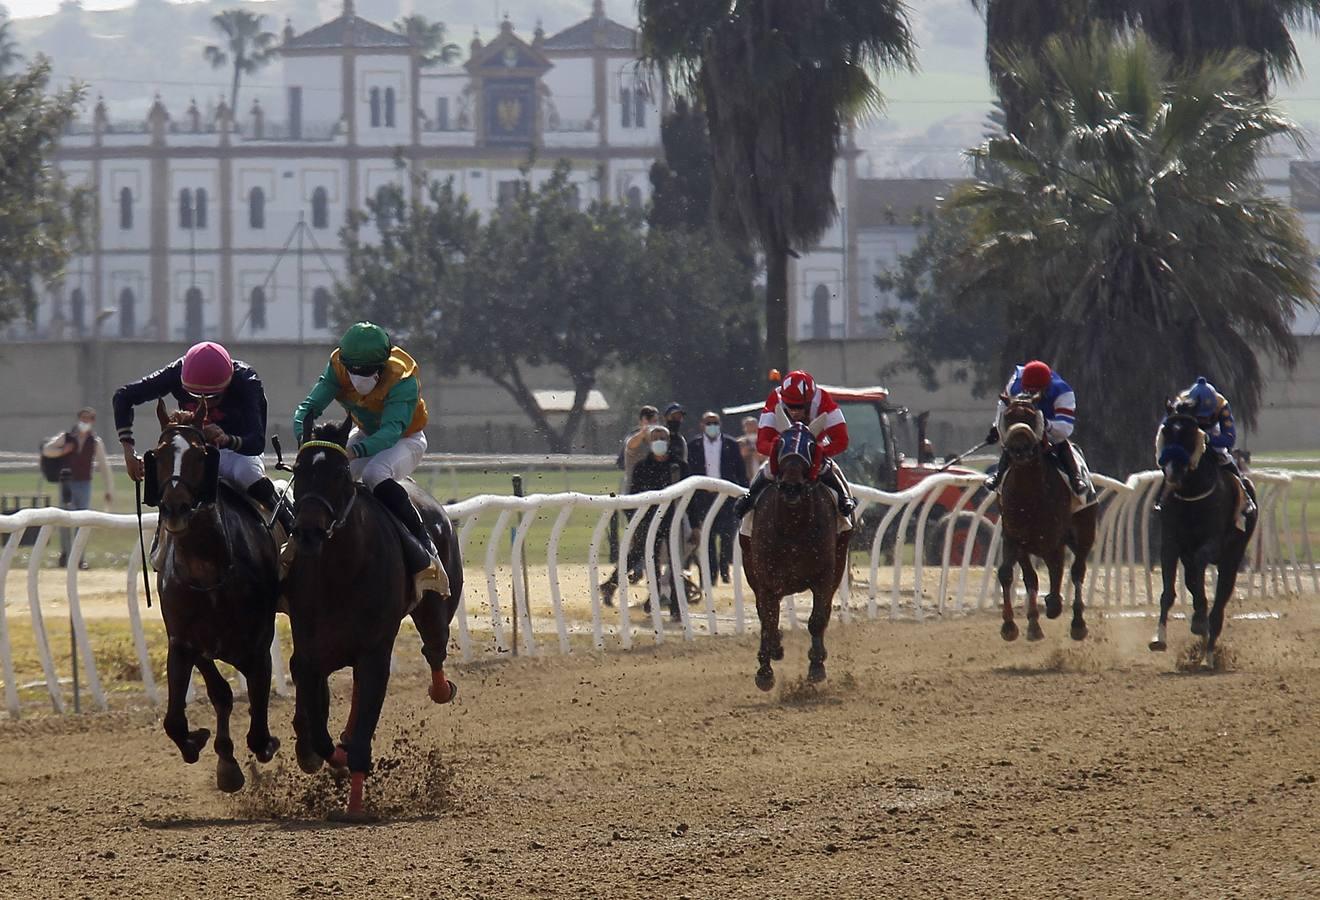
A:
(318, 457)
(180, 447)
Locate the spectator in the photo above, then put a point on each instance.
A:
(716, 455)
(80, 448)
(635, 448)
(674, 414)
(656, 471)
(747, 443)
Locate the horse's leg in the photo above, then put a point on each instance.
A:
(1031, 581)
(1078, 630)
(371, 677)
(1227, 566)
(228, 776)
(1194, 577)
(178, 673)
(767, 610)
(432, 617)
(258, 672)
(822, 604)
(1009, 630)
(310, 714)
(1054, 599)
(1169, 575)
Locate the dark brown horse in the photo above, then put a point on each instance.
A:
(348, 589)
(1037, 519)
(795, 546)
(1198, 527)
(218, 580)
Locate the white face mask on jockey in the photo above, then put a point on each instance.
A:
(363, 384)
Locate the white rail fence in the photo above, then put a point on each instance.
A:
(924, 559)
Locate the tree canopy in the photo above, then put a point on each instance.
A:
(246, 47)
(430, 39)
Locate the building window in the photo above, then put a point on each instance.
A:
(320, 208)
(127, 313)
(634, 196)
(507, 192)
(626, 106)
(374, 95)
(384, 207)
(257, 310)
(442, 114)
(820, 313)
(193, 321)
(125, 209)
(200, 215)
(295, 113)
(320, 308)
(639, 113)
(185, 209)
(389, 107)
(78, 311)
(256, 208)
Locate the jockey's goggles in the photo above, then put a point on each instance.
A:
(213, 395)
(796, 407)
(364, 370)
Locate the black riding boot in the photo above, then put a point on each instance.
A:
(992, 483)
(1065, 455)
(1231, 464)
(743, 505)
(832, 477)
(263, 491)
(397, 501)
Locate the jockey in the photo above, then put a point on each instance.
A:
(377, 383)
(1214, 416)
(235, 416)
(802, 402)
(1058, 405)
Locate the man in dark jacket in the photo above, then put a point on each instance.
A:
(716, 455)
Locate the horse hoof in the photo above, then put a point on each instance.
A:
(1198, 624)
(1053, 606)
(228, 776)
(777, 654)
(447, 696)
(265, 750)
(353, 817)
(338, 760)
(1009, 631)
(1158, 646)
(765, 680)
(192, 749)
(1079, 631)
(309, 762)
(816, 672)
(1034, 632)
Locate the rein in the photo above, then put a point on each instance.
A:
(174, 480)
(338, 519)
(142, 542)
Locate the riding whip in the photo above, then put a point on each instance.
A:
(142, 544)
(959, 458)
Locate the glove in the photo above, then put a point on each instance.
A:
(992, 437)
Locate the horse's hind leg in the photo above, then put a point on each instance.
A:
(259, 739)
(371, 676)
(822, 604)
(1078, 630)
(1228, 566)
(178, 672)
(1009, 630)
(1194, 578)
(228, 775)
(1031, 581)
(432, 617)
(767, 610)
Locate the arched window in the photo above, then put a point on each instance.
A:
(78, 311)
(125, 209)
(127, 313)
(384, 207)
(185, 209)
(626, 106)
(320, 308)
(374, 99)
(639, 113)
(256, 208)
(257, 310)
(389, 107)
(320, 208)
(634, 196)
(201, 208)
(820, 313)
(193, 319)
(442, 114)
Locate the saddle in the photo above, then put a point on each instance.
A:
(845, 523)
(1079, 501)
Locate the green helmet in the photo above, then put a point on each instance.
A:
(364, 344)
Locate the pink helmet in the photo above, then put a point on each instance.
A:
(207, 368)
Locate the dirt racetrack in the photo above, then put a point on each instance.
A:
(937, 762)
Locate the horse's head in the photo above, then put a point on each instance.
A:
(1179, 445)
(323, 490)
(1023, 426)
(795, 457)
(182, 474)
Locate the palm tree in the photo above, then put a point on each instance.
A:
(246, 47)
(1130, 230)
(429, 39)
(9, 55)
(779, 80)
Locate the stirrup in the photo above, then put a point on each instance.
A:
(432, 578)
(847, 506)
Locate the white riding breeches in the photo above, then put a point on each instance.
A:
(241, 470)
(395, 462)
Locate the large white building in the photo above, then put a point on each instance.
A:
(197, 231)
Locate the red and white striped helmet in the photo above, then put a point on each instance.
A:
(798, 388)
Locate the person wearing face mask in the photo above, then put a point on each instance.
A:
(379, 385)
(79, 450)
(674, 414)
(716, 455)
(235, 422)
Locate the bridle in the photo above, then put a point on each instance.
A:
(196, 440)
(1025, 402)
(337, 518)
(1194, 457)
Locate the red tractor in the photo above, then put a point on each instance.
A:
(873, 459)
